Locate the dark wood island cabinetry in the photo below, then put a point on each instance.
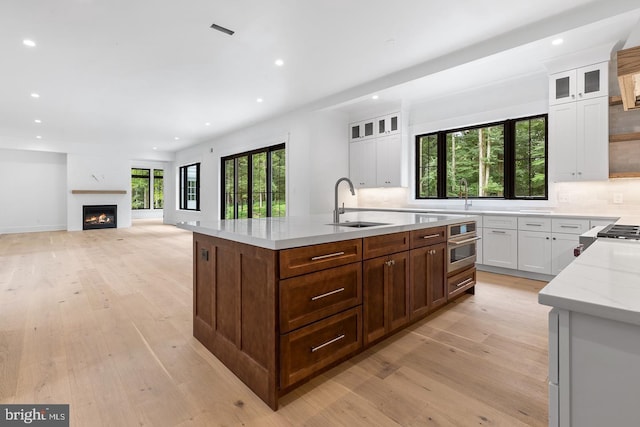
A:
(276, 318)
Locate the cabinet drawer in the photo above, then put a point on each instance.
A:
(500, 221)
(569, 225)
(534, 224)
(458, 283)
(307, 259)
(309, 349)
(427, 236)
(385, 244)
(306, 299)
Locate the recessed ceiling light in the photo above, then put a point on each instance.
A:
(557, 42)
(29, 43)
(35, 95)
(207, 124)
(279, 62)
(375, 97)
(38, 121)
(259, 100)
(175, 138)
(38, 137)
(155, 148)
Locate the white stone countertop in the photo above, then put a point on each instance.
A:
(288, 232)
(604, 281)
(489, 211)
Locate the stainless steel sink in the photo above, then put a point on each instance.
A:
(359, 224)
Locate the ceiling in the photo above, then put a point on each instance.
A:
(151, 75)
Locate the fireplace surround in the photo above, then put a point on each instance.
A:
(96, 217)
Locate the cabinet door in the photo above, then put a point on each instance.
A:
(389, 151)
(479, 250)
(562, 246)
(592, 81)
(562, 142)
(592, 132)
(427, 280)
(362, 130)
(500, 247)
(534, 251)
(362, 163)
(562, 87)
(387, 125)
(386, 298)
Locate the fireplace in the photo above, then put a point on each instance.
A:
(99, 216)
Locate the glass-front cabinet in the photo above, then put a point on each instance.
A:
(578, 84)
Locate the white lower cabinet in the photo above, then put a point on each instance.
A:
(479, 251)
(562, 246)
(534, 249)
(500, 247)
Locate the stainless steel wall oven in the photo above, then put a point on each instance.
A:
(461, 246)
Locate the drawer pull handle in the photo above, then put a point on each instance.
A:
(431, 236)
(464, 282)
(314, 349)
(319, 257)
(533, 225)
(461, 242)
(498, 232)
(569, 226)
(317, 297)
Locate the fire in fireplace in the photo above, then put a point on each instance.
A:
(99, 216)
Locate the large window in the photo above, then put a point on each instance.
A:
(504, 160)
(190, 187)
(254, 184)
(140, 189)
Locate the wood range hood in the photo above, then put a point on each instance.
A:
(629, 77)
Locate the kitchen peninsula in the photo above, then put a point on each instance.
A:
(594, 336)
(279, 300)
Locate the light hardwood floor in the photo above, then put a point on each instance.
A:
(101, 320)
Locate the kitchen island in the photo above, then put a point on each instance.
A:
(594, 337)
(279, 300)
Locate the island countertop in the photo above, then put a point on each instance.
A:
(288, 232)
(603, 281)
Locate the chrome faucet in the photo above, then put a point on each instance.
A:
(467, 203)
(337, 211)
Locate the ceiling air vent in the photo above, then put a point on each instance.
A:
(629, 77)
(222, 29)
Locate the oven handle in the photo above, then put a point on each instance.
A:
(461, 242)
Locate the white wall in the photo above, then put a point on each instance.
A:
(104, 172)
(32, 191)
(317, 155)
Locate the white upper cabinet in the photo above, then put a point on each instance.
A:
(578, 84)
(388, 161)
(375, 152)
(359, 131)
(388, 125)
(579, 124)
(362, 163)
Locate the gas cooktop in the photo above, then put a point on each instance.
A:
(619, 231)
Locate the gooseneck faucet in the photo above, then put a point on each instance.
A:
(467, 203)
(337, 211)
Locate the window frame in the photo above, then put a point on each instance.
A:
(161, 179)
(509, 160)
(269, 178)
(183, 187)
(148, 178)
